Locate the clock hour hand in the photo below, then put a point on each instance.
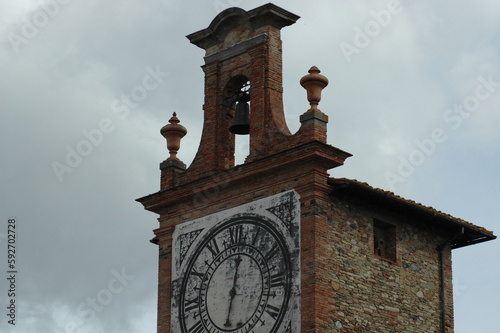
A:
(232, 292)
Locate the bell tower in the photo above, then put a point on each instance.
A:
(242, 49)
(244, 89)
(275, 245)
(244, 96)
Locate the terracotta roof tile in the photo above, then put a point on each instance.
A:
(392, 196)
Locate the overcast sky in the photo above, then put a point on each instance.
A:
(414, 95)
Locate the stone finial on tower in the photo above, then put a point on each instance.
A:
(173, 132)
(314, 83)
(313, 121)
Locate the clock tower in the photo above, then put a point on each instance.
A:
(274, 244)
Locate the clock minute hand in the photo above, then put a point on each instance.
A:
(232, 291)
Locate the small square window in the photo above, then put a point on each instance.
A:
(384, 240)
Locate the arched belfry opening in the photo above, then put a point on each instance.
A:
(238, 95)
(243, 49)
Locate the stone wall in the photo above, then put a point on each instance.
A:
(372, 294)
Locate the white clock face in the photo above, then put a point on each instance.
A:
(237, 271)
(238, 280)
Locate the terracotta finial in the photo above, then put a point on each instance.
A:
(314, 84)
(173, 132)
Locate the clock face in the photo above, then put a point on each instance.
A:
(238, 280)
(237, 271)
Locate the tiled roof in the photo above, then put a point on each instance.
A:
(474, 233)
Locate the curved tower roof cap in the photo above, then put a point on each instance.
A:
(268, 14)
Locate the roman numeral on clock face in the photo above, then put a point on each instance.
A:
(272, 311)
(192, 304)
(196, 328)
(213, 247)
(255, 236)
(195, 273)
(236, 234)
(272, 252)
(278, 279)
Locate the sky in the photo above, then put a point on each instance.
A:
(85, 87)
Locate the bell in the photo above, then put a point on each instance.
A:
(241, 124)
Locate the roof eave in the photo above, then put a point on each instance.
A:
(473, 235)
